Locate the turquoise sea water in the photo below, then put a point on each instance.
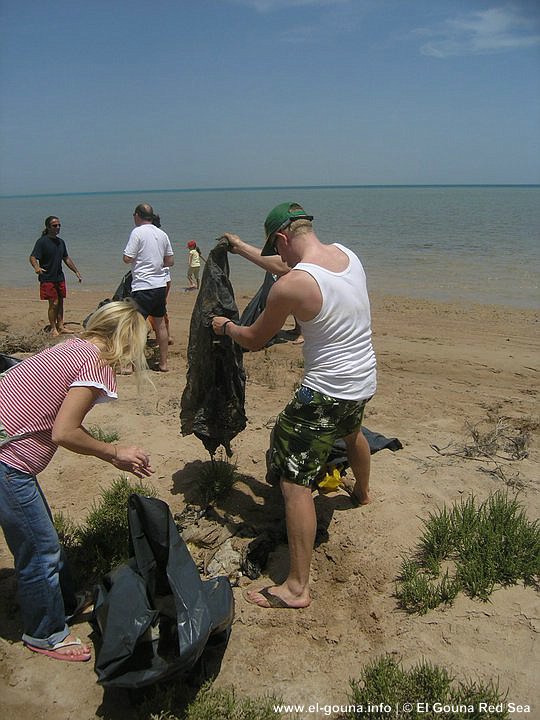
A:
(450, 243)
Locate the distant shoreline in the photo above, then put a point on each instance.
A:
(239, 188)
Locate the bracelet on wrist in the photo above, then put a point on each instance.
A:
(225, 326)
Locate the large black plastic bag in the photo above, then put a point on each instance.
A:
(258, 302)
(155, 615)
(212, 406)
(7, 362)
(122, 292)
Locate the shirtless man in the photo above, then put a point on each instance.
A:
(325, 289)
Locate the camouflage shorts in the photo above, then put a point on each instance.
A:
(305, 432)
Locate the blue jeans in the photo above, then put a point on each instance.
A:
(44, 582)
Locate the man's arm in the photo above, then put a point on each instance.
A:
(271, 263)
(168, 260)
(34, 262)
(128, 259)
(71, 265)
(279, 305)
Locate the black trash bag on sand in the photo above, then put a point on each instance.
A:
(212, 405)
(154, 616)
(122, 292)
(7, 362)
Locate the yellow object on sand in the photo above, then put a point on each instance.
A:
(330, 482)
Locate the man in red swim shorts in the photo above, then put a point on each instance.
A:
(46, 258)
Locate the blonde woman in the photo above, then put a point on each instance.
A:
(43, 403)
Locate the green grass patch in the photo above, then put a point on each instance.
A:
(383, 690)
(102, 541)
(485, 546)
(421, 692)
(178, 702)
(108, 436)
(224, 704)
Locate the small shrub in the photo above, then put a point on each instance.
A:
(97, 433)
(216, 479)
(67, 530)
(493, 544)
(222, 703)
(102, 541)
(173, 703)
(384, 683)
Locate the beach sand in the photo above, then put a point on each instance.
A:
(442, 367)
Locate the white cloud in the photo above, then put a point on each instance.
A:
(490, 31)
(270, 5)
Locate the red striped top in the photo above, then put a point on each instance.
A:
(32, 392)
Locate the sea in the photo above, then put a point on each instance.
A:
(459, 243)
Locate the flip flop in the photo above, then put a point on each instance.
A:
(53, 652)
(274, 601)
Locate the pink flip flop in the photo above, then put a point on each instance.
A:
(53, 652)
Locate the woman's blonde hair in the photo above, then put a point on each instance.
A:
(121, 332)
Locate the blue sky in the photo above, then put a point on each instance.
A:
(120, 94)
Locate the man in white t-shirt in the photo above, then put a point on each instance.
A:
(324, 287)
(150, 254)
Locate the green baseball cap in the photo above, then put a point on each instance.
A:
(278, 219)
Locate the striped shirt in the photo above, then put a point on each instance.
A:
(32, 392)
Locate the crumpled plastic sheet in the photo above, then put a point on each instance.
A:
(212, 404)
(154, 616)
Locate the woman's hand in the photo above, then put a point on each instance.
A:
(132, 459)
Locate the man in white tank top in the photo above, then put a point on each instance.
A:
(324, 287)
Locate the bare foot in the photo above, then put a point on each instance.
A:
(358, 497)
(280, 598)
(74, 647)
(170, 341)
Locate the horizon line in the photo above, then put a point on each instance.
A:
(266, 187)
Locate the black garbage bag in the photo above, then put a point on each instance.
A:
(122, 292)
(8, 361)
(212, 405)
(154, 616)
(258, 302)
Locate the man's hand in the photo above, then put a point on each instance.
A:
(234, 242)
(217, 324)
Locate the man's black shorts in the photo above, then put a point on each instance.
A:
(151, 302)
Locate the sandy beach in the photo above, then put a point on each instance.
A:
(442, 368)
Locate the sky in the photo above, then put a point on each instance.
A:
(113, 95)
